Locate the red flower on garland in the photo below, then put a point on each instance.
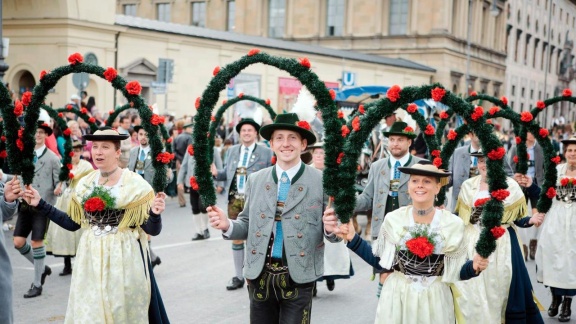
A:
(412, 108)
(94, 204)
(435, 153)
(540, 104)
(84, 110)
(473, 93)
(21, 132)
(515, 159)
(3, 154)
(393, 93)
(216, 71)
(429, 130)
(190, 150)
(332, 94)
(526, 116)
(43, 74)
(67, 132)
(20, 144)
(75, 58)
(267, 102)
(444, 115)
(26, 98)
(224, 101)
(566, 93)
(156, 120)
(69, 107)
(70, 175)
(420, 246)
(500, 194)
(110, 74)
(71, 154)
(305, 62)
(356, 123)
(253, 51)
(61, 115)
(91, 120)
(497, 231)
(165, 157)
(481, 202)
(273, 160)
(133, 88)
(551, 193)
(169, 140)
(339, 158)
(197, 103)
(452, 135)
(69, 166)
(340, 114)
(303, 124)
(543, 132)
(438, 94)
(489, 121)
(518, 140)
(494, 110)
(212, 118)
(361, 109)
(193, 183)
(241, 94)
(18, 108)
(496, 154)
(477, 114)
(556, 159)
(3, 138)
(437, 162)
(504, 100)
(344, 130)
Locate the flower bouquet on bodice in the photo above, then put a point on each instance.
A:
(416, 256)
(566, 191)
(99, 209)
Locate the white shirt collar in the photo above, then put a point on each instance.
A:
(40, 151)
(290, 172)
(250, 148)
(145, 149)
(403, 160)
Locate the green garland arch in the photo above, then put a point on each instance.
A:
(11, 132)
(229, 103)
(397, 97)
(79, 113)
(65, 173)
(3, 153)
(299, 69)
(48, 79)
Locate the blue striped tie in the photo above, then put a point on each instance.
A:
(278, 237)
(396, 177)
(141, 158)
(244, 161)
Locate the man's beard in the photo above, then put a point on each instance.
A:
(400, 155)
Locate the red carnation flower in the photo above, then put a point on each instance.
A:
(339, 158)
(91, 120)
(43, 74)
(69, 107)
(156, 120)
(564, 182)
(518, 140)
(344, 130)
(240, 95)
(551, 193)
(435, 153)
(169, 140)
(69, 166)
(340, 114)
(71, 154)
(356, 123)
(273, 160)
(444, 115)
(70, 175)
(393, 93)
(197, 103)
(75, 58)
(420, 246)
(67, 132)
(438, 94)
(305, 62)
(224, 101)
(481, 202)
(494, 110)
(190, 150)
(408, 129)
(110, 74)
(94, 204)
(18, 108)
(61, 115)
(473, 93)
(504, 100)
(429, 130)
(437, 162)
(133, 88)
(3, 138)
(543, 132)
(84, 110)
(540, 104)
(253, 51)
(267, 102)
(555, 159)
(193, 183)
(496, 154)
(332, 94)
(526, 116)
(3, 154)
(303, 124)
(212, 118)
(26, 98)
(216, 70)
(477, 114)
(361, 109)
(21, 132)
(500, 194)
(515, 159)
(412, 108)
(567, 93)
(489, 121)
(497, 231)
(452, 135)
(165, 157)
(20, 144)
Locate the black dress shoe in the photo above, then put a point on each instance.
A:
(556, 301)
(197, 237)
(330, 284)
(566, 311)
(33, 292)
(314, 291)
(66, 271)
(235, 283)
(206, 234)
(156, 262)
(47, 272)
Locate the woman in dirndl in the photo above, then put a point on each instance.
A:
(502, 293)
(112, 281)
(556, 252)
(59, 241)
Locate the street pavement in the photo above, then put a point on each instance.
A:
(192, 280)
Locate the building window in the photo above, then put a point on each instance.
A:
(198, 14)
(276, 18)
(513, 90)
(231, 15)
(398, 17)
(129, 9)
(335, 17)
(536, 43)
(522, 92)
(531, 94)
(163, 12)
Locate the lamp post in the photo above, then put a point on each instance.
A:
(3, 65)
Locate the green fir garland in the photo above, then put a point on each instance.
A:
(66, 158)
(3, 152)
(446, 154)
(15, 156)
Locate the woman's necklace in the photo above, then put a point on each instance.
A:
(423, 212)
(571, 167)
(107, 174)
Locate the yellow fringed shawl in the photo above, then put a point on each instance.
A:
(514, 205)
(135, 198)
